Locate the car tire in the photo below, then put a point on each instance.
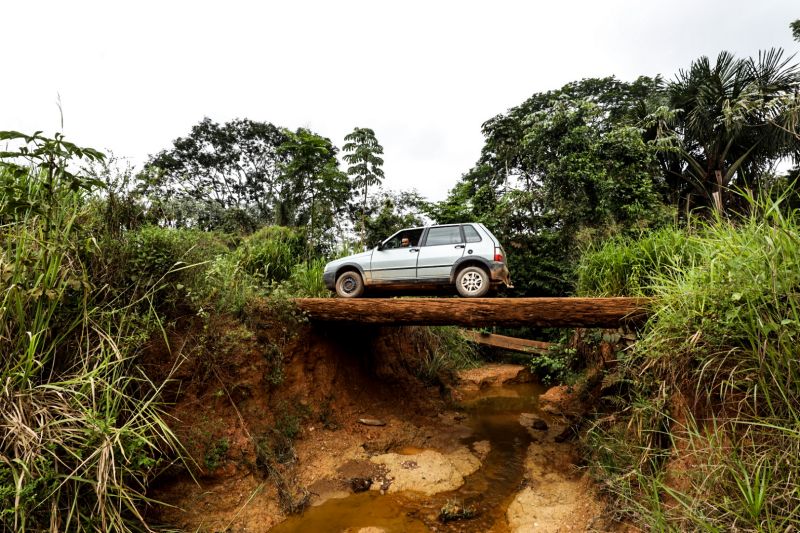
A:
(349, 285)
(472, 282)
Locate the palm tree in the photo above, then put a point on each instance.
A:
(722, 124)
(365, 166)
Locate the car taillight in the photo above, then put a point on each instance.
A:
(498, 255)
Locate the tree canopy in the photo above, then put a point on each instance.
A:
(602, 157)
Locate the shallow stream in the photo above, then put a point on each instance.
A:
(493, 415)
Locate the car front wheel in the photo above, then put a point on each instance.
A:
(349, 285)
(472, 282)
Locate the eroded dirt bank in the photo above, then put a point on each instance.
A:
(348, 425)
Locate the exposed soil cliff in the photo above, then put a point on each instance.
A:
(251, 398)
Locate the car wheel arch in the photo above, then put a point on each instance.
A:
(349, 267)
(464, 262)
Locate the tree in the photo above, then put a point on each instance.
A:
(311, 167)
(720, 122)
(365, 166)
(563, 166)
(227, 175)
(387, 212)
(795, 26)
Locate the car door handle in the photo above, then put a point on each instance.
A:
(459, 246)
(414, 250)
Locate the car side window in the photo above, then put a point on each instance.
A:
(404, 239)
(471, 234)
(444, 235)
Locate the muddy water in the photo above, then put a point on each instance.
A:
(493, 415)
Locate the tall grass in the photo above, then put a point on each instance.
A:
(271, 253)
(446, 351)
(710, 437)
(81, 432)
(633, 267)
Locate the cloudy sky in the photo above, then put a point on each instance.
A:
(133, 76)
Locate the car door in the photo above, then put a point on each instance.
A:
(443, 246)
(396, 258)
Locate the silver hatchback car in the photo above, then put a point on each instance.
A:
(466, 256)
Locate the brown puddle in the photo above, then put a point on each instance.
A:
(493, 415)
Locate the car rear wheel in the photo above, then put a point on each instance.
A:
(472, 282)
(349, 285)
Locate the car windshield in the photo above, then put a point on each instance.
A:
(403, 239)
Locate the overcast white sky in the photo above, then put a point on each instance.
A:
(424, 75)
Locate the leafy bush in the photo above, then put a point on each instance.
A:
(169, 258)
(555, 366)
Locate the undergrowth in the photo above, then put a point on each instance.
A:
(445, 351)
(708, 437)
(81, 428)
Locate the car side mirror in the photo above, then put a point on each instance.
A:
(379, 247)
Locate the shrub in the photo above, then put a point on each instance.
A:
(171, 259)
(271, 253)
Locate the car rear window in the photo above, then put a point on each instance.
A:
(471, 234)
(444, 235)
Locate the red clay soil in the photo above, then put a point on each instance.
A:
(228, 395)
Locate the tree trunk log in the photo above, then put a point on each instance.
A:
(479, 312)
(507, 343)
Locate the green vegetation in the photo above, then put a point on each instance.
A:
(556, 366)
(601, 158)
(82, 427)
(275, 450)
(708, 439)
(444, 350)
(601, 187)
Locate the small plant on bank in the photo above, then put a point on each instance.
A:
(327, 416)
(216, 453)
(275, 451)
(556, 366)
(456, 509)
(444, 349)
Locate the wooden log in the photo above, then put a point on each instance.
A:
(507, 343)
(478, 312)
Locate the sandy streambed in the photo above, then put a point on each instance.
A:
(502, 462)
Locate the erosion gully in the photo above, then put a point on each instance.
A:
(493, 415)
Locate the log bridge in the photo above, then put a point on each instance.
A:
(479, 312)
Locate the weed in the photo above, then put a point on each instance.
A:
(555, 366)
(327, 416)
(275, 452)
(443, 349)
(216, 453)
(455, 509)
